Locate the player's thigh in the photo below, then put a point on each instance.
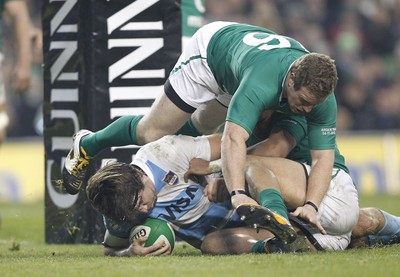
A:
(290, 175)
(209, 117)
(163, 118)
(233, 240)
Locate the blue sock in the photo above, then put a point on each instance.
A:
(392, 225)
(389, 234)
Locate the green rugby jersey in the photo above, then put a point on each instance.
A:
(296, 126)
(251, 63)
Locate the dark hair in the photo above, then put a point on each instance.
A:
(316, 72)
(113, 190)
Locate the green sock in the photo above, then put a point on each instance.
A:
(189, 130)
(119, 133)
(258, 247)
(272, 199)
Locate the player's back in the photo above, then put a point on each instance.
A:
(237, 48)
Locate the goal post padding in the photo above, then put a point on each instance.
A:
(102, 59)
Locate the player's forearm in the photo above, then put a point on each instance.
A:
(233, 162)
(320, 175)
(215, 146)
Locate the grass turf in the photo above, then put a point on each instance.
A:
(24, 253)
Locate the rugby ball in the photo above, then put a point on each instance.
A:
(155, 230)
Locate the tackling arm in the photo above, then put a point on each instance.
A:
(320, 175)
(233, 155)
(318, 184)
(136, 248)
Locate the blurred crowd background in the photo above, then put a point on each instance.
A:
(24, 108)
(363, 36)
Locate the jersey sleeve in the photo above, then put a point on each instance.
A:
(295, 125)
(256, 93)
(117, 233)
(174, 152)
(322, 125)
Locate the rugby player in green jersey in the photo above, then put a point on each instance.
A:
(231, 72)
(285, 136)
(281, 135)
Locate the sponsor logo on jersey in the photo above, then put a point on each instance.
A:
(171, 178)
(328, 131)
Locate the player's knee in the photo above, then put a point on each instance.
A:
(367, 223)
(149, 135)
(252, 162)
(253, 167)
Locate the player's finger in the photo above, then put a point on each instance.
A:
(139, 241)
(186, 176)
(240, 199)
(159, 248)
(320, 228)
(295, 212)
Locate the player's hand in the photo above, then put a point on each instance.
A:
(137, 248)
(216, 190)
(241, 199)
(199, 167)
(309, 214)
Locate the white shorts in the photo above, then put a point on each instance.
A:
(191, 78)
(338, 211)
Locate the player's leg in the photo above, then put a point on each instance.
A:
(375, 227)
(189, 86)
(242, 240)
(284, 176)
(164, 118)
(272, 182)
(209, 117)
(370, 221)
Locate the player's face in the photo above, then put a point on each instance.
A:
(302, 101)
(147, 197)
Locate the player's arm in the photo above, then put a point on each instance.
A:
(279, 144)
(318, 184)
(320, 175)
(233, 155)
(120, 247)
(215, 146)
(18, 13)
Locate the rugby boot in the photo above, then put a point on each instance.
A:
(258, 216)
(76, 164)
(275, 245)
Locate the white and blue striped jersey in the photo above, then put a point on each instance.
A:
(184, 205)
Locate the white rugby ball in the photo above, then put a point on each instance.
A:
(155, 230)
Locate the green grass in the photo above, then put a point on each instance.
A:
(24, 253)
